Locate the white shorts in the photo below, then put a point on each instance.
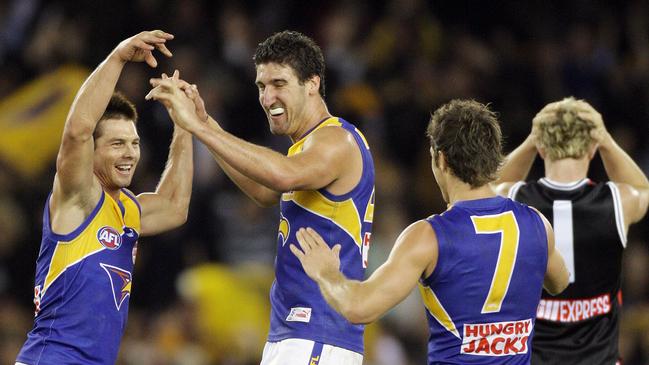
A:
(295, 351)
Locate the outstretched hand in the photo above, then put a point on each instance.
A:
(181, 108)
(139, 47)
(191, 90)
(316, 257)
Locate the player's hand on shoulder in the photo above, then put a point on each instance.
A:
(139, 47)
(317, 259)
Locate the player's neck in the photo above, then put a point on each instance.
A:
(311, 119)
(459, 191)
(113, 193)
(566, 170)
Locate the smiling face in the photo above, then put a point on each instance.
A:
(117, 152)
(282, 96)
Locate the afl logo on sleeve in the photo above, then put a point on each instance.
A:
(109, 237)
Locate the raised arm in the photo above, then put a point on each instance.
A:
(257, 192)
(76, 190)
(518, 162)
(620, 168)
(414, 252)
(167, 207)
(326, 154)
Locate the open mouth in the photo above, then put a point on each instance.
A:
(124, 169)
(275, 112)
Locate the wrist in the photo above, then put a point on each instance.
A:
(606, 141)
(114, 56)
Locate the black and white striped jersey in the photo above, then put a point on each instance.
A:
(580, 325)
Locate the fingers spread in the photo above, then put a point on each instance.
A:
(150, 60)
(157, 93)
(143, 45)
(296, 251)
(162, 34)
(316, 239)
(303, 240)
(163, 49)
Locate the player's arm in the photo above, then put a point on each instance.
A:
(326, 153)
(557, 277)
(365, 301)
(518, 163)
(74, 183)
(621, 169)
(167, 207)
(260, 194)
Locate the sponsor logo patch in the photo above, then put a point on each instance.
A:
(568, 311)
(497, 339)
(299, 314)
(109, 237)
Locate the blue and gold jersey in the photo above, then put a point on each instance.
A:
(481, 299)
(83, 285)
(298, 308)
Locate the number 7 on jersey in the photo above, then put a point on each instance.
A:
(506, 225)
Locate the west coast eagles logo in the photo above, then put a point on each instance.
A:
(284, 229)
(120, 282)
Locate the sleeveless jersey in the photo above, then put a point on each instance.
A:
(83, 284)
(298, 310)
(482, 296)
(580, 325)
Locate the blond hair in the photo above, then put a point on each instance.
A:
(562, 132)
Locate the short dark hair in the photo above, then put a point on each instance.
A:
(469, 135)
(296, 50)
(119, 107)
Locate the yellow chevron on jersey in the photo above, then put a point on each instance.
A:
(87, 243)
(369, 211)
(344, 214)
(436, 309)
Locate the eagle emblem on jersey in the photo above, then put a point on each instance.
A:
(109, 237)
(120, 283)
(284, 229)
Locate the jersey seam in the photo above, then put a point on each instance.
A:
(619, 212)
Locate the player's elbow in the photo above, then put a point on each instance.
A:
(558, 285)
(78, 131)
(283, 182)
(356, 315)
(264, 202)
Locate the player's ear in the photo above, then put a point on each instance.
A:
(541, 152)
(441, 161)
(313, 84)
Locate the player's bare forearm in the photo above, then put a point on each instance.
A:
(260, 164)
(257, 192)
(168, 207)
(519, 162)
(619, 166)
(344, 296)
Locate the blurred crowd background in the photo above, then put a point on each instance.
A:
(200, 292)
